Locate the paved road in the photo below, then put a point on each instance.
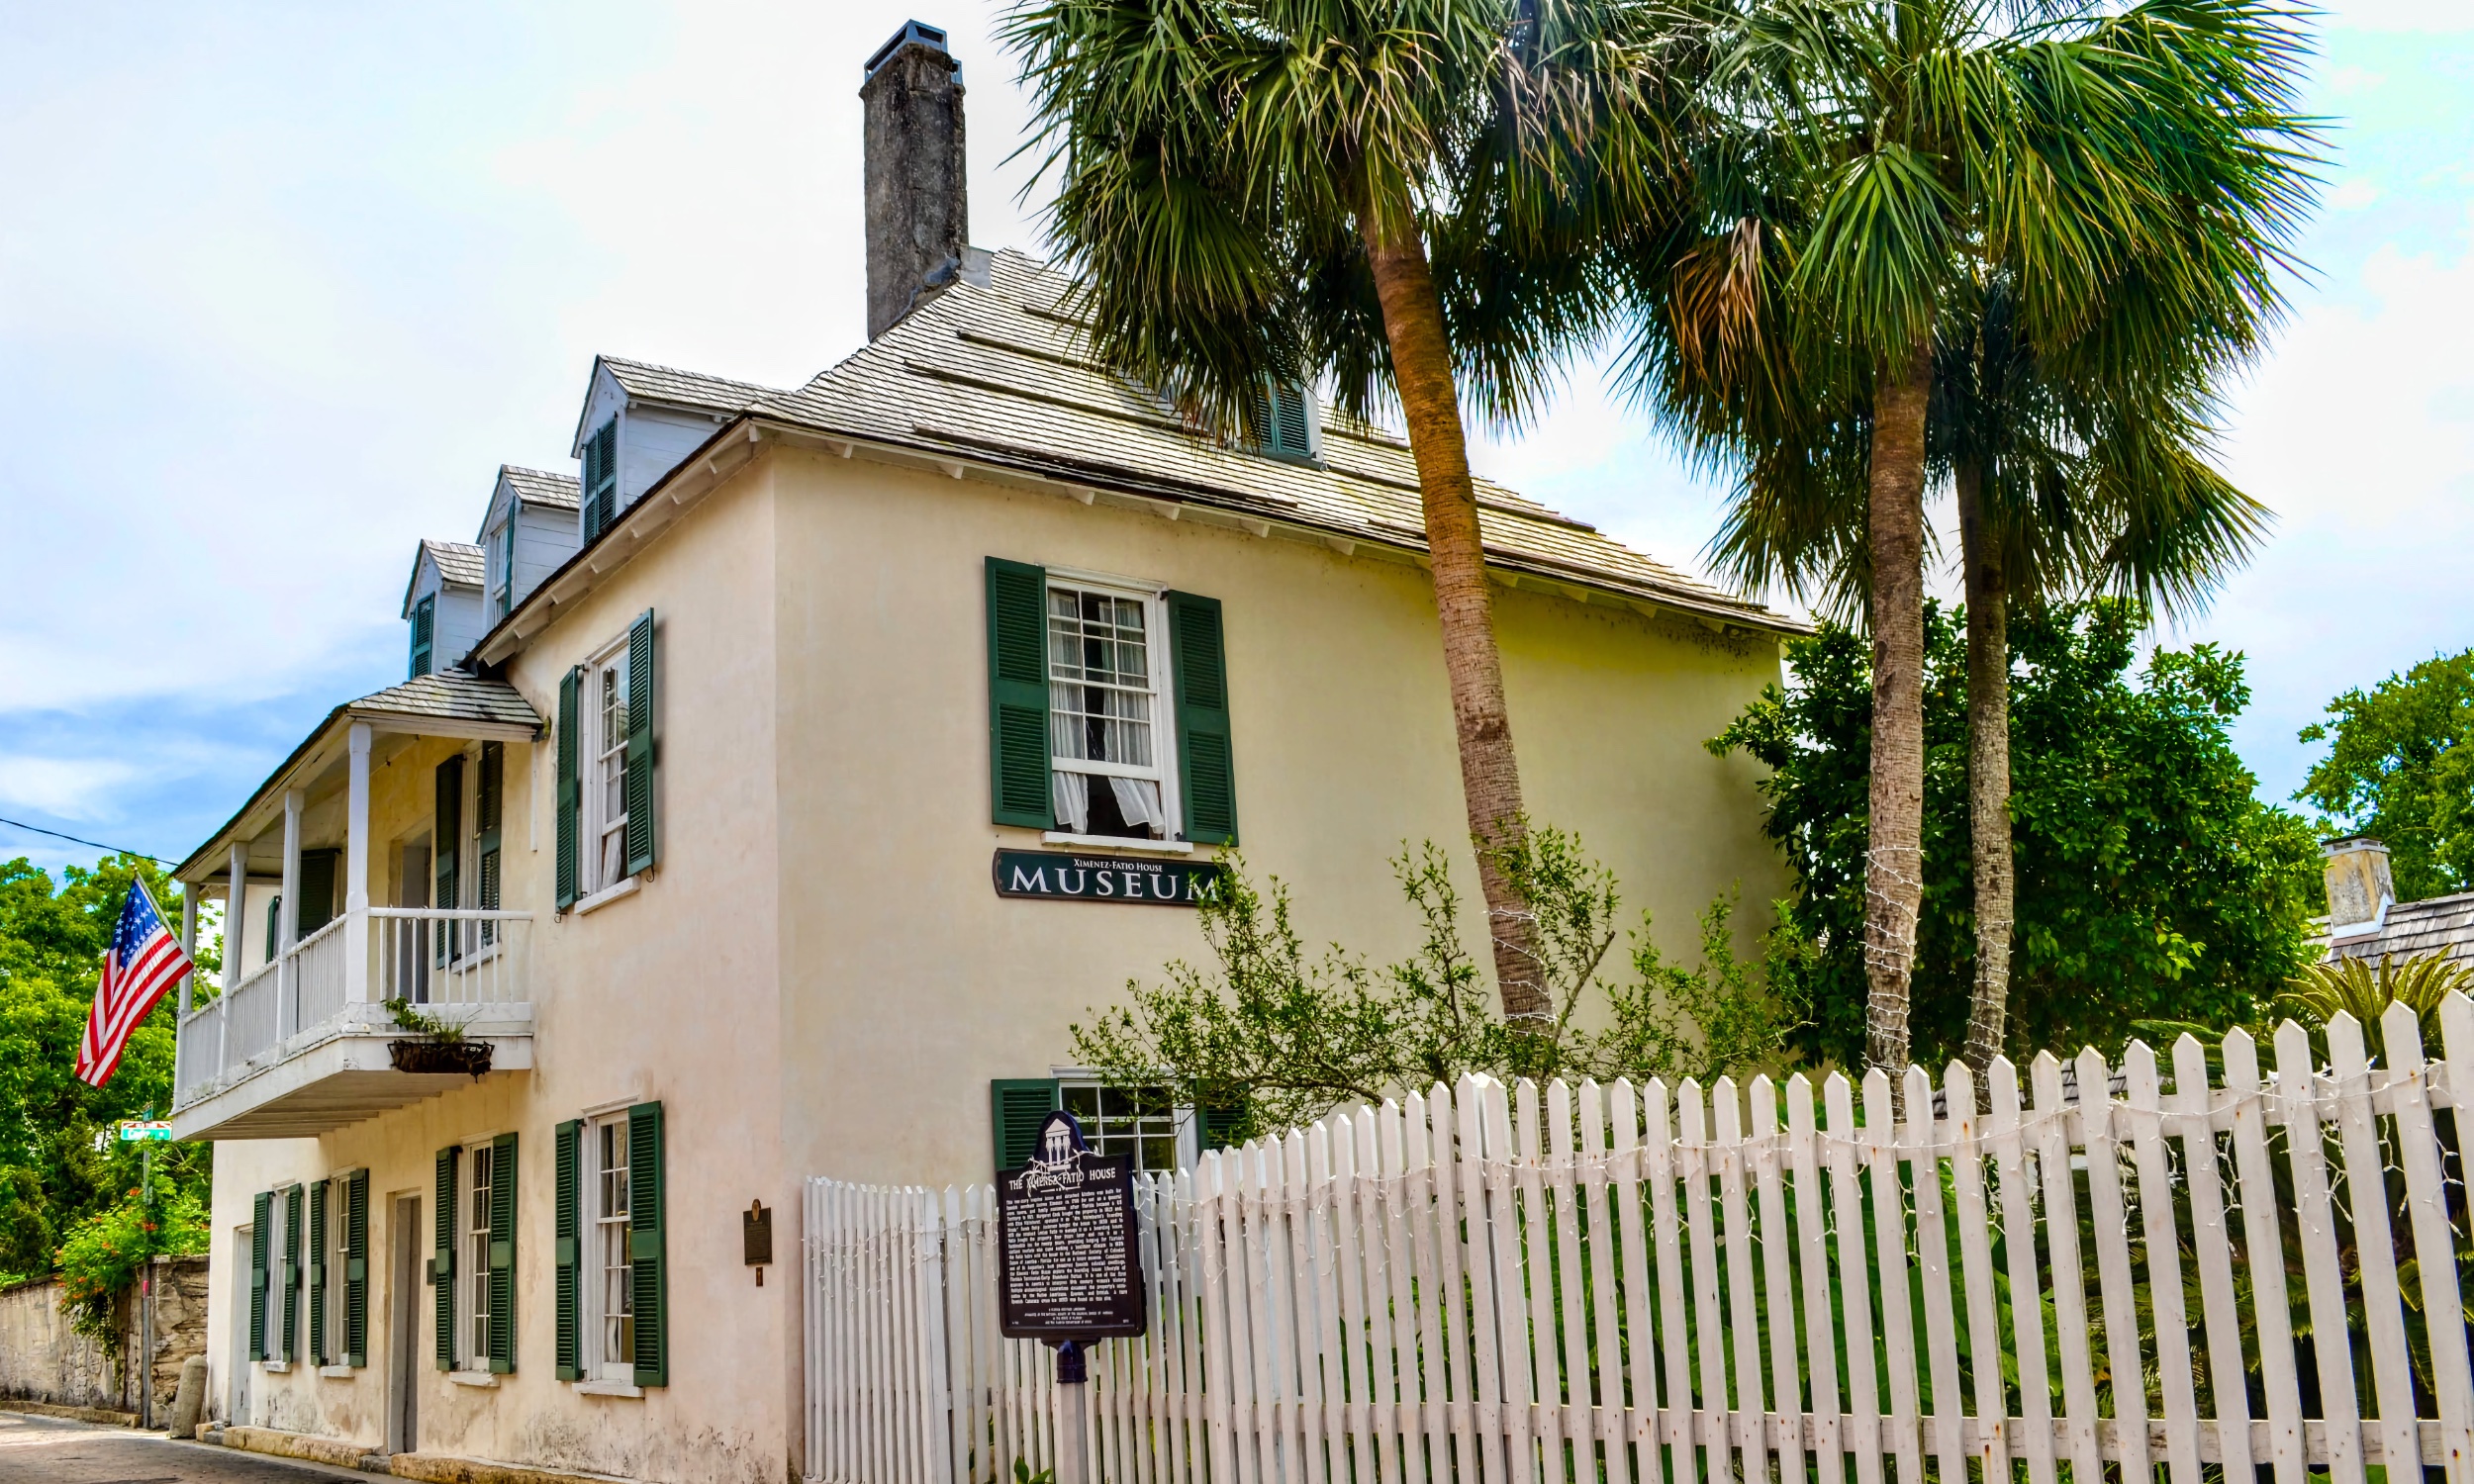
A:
(51, 1451)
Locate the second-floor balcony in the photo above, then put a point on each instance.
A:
(304, 1036)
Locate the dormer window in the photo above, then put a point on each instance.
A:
(601, 480)
(424, 634)
(1288, 414)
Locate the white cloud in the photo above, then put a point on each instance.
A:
(2435, 15)
(63, 787)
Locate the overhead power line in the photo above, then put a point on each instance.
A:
(94, 844)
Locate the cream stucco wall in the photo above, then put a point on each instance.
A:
(819, 979)
(909, 983)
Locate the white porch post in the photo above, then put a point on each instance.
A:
(287, 973)
(357, 872)
(188, 940)
(235, 925)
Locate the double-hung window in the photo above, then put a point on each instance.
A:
(1140, 1123)
(610, 1287)
(481, 1159)
(609, 1331)
(606, 767)
(1107, 709)
(1108, 755)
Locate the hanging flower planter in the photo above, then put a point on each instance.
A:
(469, 1056)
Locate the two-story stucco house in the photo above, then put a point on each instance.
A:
(692, 809)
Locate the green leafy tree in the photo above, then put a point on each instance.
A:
(1408, 201)
(2153, 884)
(58, 1164)
(1279, 1035)
(2400, 767)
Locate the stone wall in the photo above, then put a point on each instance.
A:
(43, 1359)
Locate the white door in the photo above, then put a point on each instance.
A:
(236, 1386)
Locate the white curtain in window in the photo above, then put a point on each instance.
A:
(1072, 792)
(1138, 800)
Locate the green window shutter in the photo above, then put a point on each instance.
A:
(442, 1261)
(317, 890)
(262, 1217)
(1018, 1106)
(503, 1254)
(291, 1337)
(570, 790)
(569, 1256)
(318, 1336)
(638, 779)
(601, 480)
(648, 1184)
(446, 852)
(1017, 694)
(488, 806)
(1206, 769)
(356, 1268)
(1219, 1124)
(274, 924)
(424, 634)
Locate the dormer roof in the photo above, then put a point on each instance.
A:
(541, 487)
(716, 396)
(459, 564)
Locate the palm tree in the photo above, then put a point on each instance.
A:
(1410, 200)
(1873, 166)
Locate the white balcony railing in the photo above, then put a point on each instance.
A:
(429, 956)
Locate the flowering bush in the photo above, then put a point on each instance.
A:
(102, 1257)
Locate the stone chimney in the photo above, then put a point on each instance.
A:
(2359, 888)
(918, 211)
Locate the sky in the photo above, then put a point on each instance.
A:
(282, 285)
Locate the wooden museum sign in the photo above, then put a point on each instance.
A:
(1055, 875)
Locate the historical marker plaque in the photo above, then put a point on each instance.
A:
(1067, 1261)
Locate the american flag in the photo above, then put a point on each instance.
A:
(144, 961)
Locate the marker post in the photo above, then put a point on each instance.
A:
(1074, 1391)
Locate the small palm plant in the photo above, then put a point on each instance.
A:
(2364, 991)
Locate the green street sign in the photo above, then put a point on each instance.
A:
(133, 1133)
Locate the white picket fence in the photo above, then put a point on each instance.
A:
(1621, 1286)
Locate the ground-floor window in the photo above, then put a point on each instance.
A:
(480, 1161)
(1142, 1123)
(609, 1274)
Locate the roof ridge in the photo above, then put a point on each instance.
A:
(667, 370)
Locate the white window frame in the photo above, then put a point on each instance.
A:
(338, 1209)
(595, 823)
(1186, 1129)
(1163, 769)
(275, 1336)
(472, 1313)
(599, 1233)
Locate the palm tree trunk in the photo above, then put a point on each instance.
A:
(1894, 854)
(1988, 768)
(1421, 367)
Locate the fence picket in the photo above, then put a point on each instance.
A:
(2426, 1208)
(1812, 1250)
(1891, 1249)
(1864, 1384)
(1604, 1285)
(1747, 1416)
(2263, 1242)
(1964, 1130)
(2229, 1392)
(2323, 1280)
(2366, 1199)
(1613, 1433)
(1676, 1413)
(1786, 1386)
(1950, 1410)
(2069, 1273)
(2109, 1221)
(2027, 1293)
